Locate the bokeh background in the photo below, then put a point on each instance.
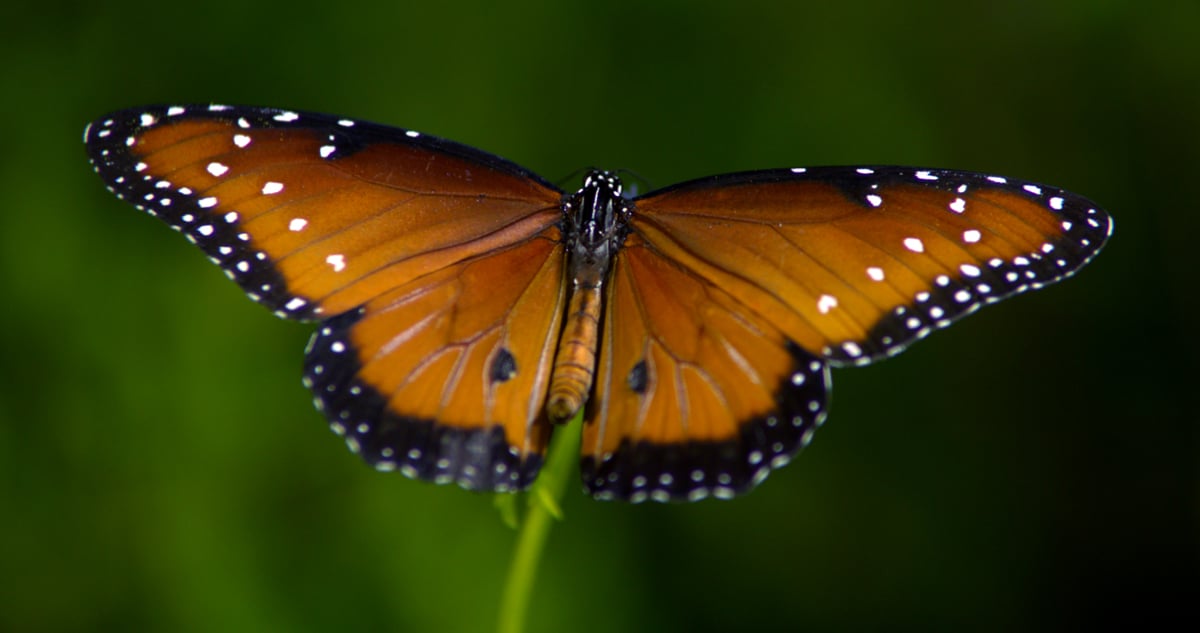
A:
(1033, 468)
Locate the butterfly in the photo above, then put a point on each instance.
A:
(467, 307)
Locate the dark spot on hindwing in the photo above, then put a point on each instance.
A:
(686, 469)
(504, 366)
(378, 430)
(637, 378)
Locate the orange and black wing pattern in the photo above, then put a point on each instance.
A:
(731, 296)
(702, 395)
(466, 305)
(436, 268)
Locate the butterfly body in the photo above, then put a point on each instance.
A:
(595, 224)
(467, 305)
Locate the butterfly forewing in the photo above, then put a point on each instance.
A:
(311, 214)
(854, 264)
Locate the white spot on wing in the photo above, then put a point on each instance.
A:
(971, 236)
(337, 261)
(914, 244)
(826, 303)
(297, 224)
(272, 187)
(216, 169)
(875, 273)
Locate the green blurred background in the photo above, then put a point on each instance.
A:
(1033, 468)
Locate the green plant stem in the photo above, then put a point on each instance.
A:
(543, 509)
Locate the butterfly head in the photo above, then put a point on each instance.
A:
(594, 219)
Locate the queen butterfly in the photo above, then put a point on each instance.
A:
(467, 305)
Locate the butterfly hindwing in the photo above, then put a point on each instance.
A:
(701, 395)
(444, 378)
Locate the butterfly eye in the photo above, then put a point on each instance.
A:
(466, 305)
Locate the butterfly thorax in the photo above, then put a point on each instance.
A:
(593, 227)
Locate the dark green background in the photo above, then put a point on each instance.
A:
(1033, 468)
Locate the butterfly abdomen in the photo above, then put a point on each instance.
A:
(575, 362)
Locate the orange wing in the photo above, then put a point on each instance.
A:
(699, 394)
(415, 248)
(444, 378)
(853, 264)
(732, 294)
